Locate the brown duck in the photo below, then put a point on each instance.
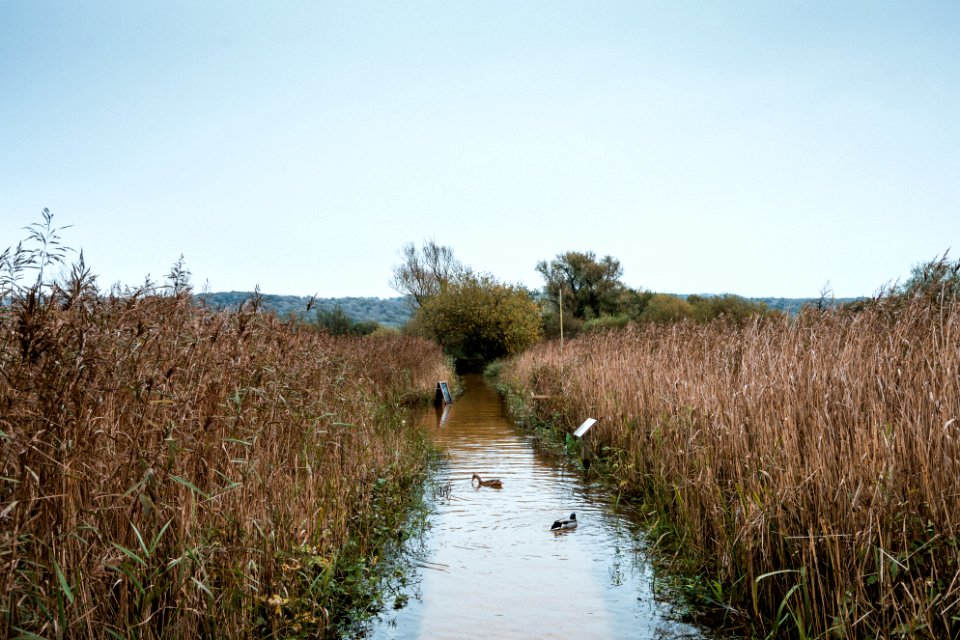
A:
(493, 484)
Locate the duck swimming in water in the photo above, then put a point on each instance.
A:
(493, 484)
(565, 523)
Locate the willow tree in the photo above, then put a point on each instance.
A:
(590, 288)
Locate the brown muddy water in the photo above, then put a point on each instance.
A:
(488, 564)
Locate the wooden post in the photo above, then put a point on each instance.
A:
(586, 450)
(561, 328)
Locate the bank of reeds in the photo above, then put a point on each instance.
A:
(805, 470)
(167, 471)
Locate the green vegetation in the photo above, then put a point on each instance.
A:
(170, 471)
(590, 288)
(594, 299)
(336, 322)
(666, 308)
(476, 318)
(388, 312)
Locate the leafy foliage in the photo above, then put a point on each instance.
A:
(594, 299)
(607, 323)
(478, 319)
(589, 287)
(666, 308)
(336, 322)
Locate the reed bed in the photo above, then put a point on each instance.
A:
(806, 470)
(171, 472)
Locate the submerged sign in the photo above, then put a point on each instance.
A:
(443, 394)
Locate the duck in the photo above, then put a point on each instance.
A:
(494, 483)
(565, 523)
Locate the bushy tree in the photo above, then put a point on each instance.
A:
(338, 323)
(590, 287)
(607, 323)
(731, 307)
(478, 319)
(634, 302)
(666, 308)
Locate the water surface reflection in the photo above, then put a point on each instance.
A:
(491, 566)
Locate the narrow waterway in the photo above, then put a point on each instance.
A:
(489, 566)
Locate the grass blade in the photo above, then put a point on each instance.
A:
(130, 554)
(64, 583)
(202, 586)
(190, 486)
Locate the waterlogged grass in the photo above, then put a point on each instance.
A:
(803, 474)
(167, 471)
(357, 580)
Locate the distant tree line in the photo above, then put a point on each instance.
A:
(396, 312)
(585, 294)
(387, 312)
(477, 318)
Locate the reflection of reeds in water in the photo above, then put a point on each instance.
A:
(168, 471)
(441, 490)
(810, 465)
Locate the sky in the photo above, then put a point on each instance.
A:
(758, 148)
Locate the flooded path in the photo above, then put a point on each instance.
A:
(491, 567)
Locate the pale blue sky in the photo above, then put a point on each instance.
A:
(758, 148)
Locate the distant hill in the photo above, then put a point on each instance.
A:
(391, 312)
(787, 305)
(793, 305)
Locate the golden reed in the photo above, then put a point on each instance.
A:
(809, 468)
(167, 471)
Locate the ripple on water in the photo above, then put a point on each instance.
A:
(493, 568)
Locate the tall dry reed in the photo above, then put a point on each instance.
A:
(808, 468)
(167, 471)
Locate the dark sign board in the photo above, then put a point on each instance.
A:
(443, 394)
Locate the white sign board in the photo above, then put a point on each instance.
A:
(582, 429)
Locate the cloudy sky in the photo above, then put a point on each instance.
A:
(758, 148)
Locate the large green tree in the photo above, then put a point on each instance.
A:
(590, 287)
(478, 319)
